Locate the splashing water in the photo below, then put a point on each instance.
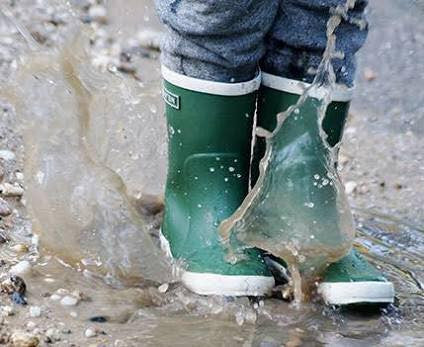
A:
(89, 139)
(298, 210)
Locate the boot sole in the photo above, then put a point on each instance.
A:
(224, 285)
(345, 293)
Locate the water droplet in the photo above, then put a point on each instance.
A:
(296, 111)
(238, 175)
(196, 178)
(199, 205)
(231, 169)
(226, 179)
(212, 169)
(316, 176)
(153, 108)
(309, 204)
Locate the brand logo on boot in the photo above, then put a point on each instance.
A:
(171, 99)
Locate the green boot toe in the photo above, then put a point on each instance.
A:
(352, 279)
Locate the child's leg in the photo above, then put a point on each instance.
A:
(215, 40)
(297, 39)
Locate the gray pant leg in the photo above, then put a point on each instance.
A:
(220, 40)
(297, 40)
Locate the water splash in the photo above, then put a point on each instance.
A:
(298, 210)
(88, 201)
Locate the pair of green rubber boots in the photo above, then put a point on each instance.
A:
(210, 127)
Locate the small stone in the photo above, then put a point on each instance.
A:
(350, 187)
(34, 311)
(73, 314)
(18, 298)
(369, 74)
(7, 155)
(5, 209)
(98, 14)
(90, 332)
(98, 319)
(69, 301)
(7, 189)
(62, 291)
(20, 248)
(55, 297)
(21, 268)
(6, 311)
(22, 339)
(77, 294)
(19, 176)
(163, 288)
(53, 335)
(31, 325)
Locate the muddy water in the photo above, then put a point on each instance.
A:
(148, 315)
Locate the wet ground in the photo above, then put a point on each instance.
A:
(382, 167)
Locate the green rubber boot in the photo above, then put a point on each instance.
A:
(352, 279)
(209, 131)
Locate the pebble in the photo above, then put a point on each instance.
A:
(62, 291)
(7, 189)
(7, 155)
(23, 339)
(31, 325)
(69, 301)
(34, 311)
(4, 208)
(53, 335)
(6, 311)
(21, 268)
(73, 314)
(163, 288)
(90, 332)
(98, 14)
(13, 284)
(350, 187)
(55, 297)
(19, 176)
(19, 248)
(369, 74)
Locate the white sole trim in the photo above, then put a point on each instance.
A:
(225, 285)
(211, 87)
(340, 94)
(344, 293)
(214, 284)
